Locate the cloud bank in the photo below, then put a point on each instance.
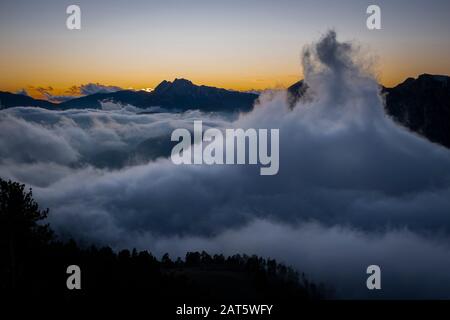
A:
(23, 92)
(92, 88)
(73, 92)
(353, 189)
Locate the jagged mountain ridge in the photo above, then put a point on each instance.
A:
(8, 100)
(422, 104)
(180, 94)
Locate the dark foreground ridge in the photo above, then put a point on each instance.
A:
(33, 267)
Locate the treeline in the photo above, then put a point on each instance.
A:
(34, 265)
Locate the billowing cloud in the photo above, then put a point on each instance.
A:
(353, 187)
(48, 94)
(22, 92)
(91, 88)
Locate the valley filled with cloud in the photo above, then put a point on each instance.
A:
(353, 188)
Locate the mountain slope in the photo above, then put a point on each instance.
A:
(422, 105)
(135, 98)
(295, 92)
(9, 100)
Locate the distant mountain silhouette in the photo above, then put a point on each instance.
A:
(8, 100)
(295, 92)
(93, 101)
(181, 94)
(422, 105)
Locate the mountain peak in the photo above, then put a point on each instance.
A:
(182, 81)
(433, 77)
(179, 84)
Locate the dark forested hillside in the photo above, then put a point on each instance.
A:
(33, 266)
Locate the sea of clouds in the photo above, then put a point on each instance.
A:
(353, 189)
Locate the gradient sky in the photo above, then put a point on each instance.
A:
(237, 44)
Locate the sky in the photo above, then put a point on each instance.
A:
(241, 45)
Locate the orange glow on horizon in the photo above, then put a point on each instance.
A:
(280, 82)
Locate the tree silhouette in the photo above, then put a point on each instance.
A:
(33, 266)
(20, 231)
